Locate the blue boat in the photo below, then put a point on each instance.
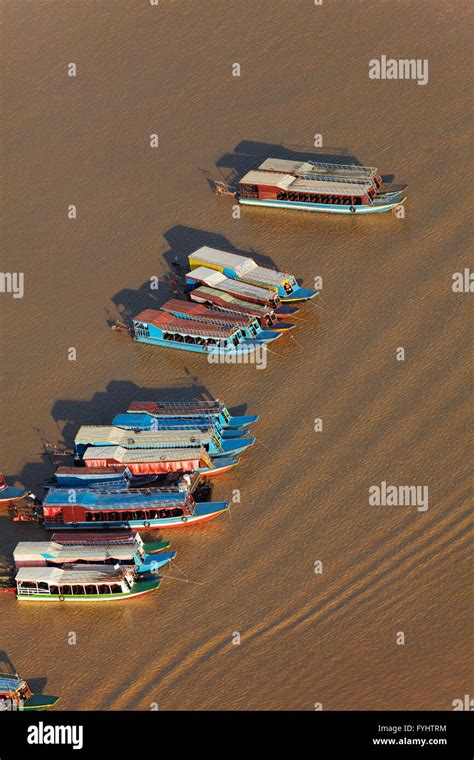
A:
(103, 509)
(249, 326)
(194, 409)
(119, 478)
(10, 493)
(243, 291)
(245, 269)
(146, 421)
(159, 328)
(108, 435)
(268, 318)
(316, 186)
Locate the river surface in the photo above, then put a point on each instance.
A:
(306, 637)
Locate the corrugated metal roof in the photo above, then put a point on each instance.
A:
(119, 454)
(131, 439)
(73, 574)
(169, 323)
(222, 258)
(243, 266)
(114, 469)
(328, 188)
(34, 551)
(110, 501)
(220, 282)
(273, 179)
(299, 184)
(220, 297)
(199, 310)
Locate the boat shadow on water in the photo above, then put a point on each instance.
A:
(70, 414)
(182, 241)
(6, 666)
(248, 154)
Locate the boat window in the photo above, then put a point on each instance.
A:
(115, 588)
(43, 586)
(103, 589)
(177, 512)
(91, 590)
(65, 590)
(54, 590)
(78, 590)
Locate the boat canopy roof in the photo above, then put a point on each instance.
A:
(169, 323)
(243, 266)
(349, 171)
(100, 500)
(141, 455)
(199, 310)
(9, 683)
(73, 574)
(34, 551)
(291, 183)
(177, 408)
(114, 469)
(228, 301)
(217, 280)
(129, 537)
(130, 439)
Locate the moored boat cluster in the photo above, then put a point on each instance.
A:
(146, 470)
(235, 307)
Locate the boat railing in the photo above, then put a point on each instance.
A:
(32, 591)
(171, 404)
(330, 178)
(137, 491)
(355, 168)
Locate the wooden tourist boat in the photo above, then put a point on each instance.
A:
(159, 328)
(120, 477)
(108, 435)
(248, 325)
(332, 171)
(212, 409)
(15, 694)
(114, 549)
(153, 461)
(102, 509)
(309, 186)
(81, 583)
(245, 269)
(145, 421)
(242, 290)
(226, 302)
(9, 493)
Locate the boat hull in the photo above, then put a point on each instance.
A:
(11, 493)
(141, 588)
(242, 348)
(203, 511)
(323, 207)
